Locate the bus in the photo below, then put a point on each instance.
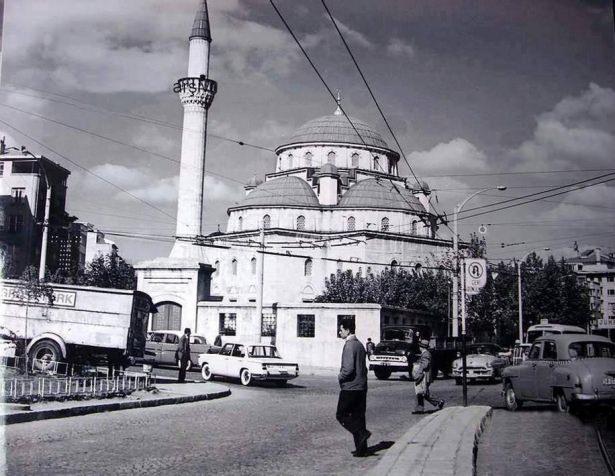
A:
(544, 329)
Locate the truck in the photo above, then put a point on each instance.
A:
(80, 324)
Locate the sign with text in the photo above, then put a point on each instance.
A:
(476, 275)
(60, 298)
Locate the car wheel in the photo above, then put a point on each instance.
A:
(382, 374)
(246, 377)
(44, 353)
(188, 366)
(561, 402)
(510, 398)
(206, 372)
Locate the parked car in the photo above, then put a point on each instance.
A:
(8, 344)
(483, 363)
(391, 356)
(248, 363)
(161, 345)
(565, 369)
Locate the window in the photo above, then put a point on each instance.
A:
(308, 159)
(394, 264)
(217, 266)
(611, 292)
(266, 221)
(339, 265)
(368, 270)
(171, 339)
(384, 224)
(169, 316)
(239, 223)
(351, 224)
(227, 349)
(268, 325)
(290, 161)
(549, 351)
(534, 352)
(307, 267)
(376, 163)
(331, 157)
(15, 223)
(1, 168)
(227, 324)
(343, 318)
(306, 324)
(253, 265)
(18, 193)
(198, 340)
(354, 160)
(156, 337)
(414, 227)
(300, 222)
(610, 279)
(579, 267)
(238, 351)
(234, 267)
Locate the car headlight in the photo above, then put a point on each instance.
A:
(488, 364)
(455, 364)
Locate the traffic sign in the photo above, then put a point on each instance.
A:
(476, 275)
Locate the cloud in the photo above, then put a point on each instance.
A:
(454, 156)
(578, 130)
(399, 48)
(354, 37)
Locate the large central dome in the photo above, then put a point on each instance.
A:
(335, 128)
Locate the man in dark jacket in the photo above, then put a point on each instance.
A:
(183, 354)
(421, 373)
(353, 394)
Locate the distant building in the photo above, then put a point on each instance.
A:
(23, 187)
(597, 270)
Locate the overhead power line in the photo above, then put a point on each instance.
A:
(535, 172)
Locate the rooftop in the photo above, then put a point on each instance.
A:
(381, 193)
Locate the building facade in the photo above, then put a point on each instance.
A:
(334, 202)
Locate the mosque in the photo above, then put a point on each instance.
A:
(335, 202)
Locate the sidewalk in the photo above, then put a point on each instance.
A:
(442, 443)
(164, 394)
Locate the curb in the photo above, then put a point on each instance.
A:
(442, 443)
(108, 407)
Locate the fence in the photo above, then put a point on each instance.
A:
(52, 367)
(72, 387)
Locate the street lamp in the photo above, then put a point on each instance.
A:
(521, 260)
(456, 290)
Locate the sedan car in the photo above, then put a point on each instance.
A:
(248, 363)
(483, 362)
(161, 345)
(564, 369)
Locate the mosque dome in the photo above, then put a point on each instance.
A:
(380, 193)
(284, 191)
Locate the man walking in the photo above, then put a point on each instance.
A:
(421, 374)
(353, 394)
(183, 354)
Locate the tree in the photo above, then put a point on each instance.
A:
(109, 271)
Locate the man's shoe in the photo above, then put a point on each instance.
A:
(441, 404)
(418, 411)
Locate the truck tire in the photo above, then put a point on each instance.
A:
(45, 350)
(382, 374)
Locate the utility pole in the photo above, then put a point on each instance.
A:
(260, 268)
(45, 238)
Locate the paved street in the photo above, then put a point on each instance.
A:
(258, 429)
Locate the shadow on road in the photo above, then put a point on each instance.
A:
(383, 445)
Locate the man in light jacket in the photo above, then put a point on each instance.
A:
(421, 373)
(353, 394)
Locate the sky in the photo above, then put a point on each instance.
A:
(479, 93)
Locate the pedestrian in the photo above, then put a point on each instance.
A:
(218, 341)
(352, 378)
(421, 374)
(182, 354)
(370, 347)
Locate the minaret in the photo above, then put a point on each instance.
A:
(196, 92)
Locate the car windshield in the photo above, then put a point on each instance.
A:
(399, 347)
(483, 349)
(591, 349)
(264, 351)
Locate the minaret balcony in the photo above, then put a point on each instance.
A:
(195, 90)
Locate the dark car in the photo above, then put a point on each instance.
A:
(563, 369)
(391, 356)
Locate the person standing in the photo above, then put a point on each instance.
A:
(183, 354)
(421, 373)
(370, 347)
(352, 378)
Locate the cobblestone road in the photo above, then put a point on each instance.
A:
(256, 430)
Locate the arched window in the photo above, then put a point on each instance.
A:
(331, 157)
(307, 267)
(300, 222)
(169, 316)
(290, 161)
(354, 160)
(339, 266)
(234, 267)
(351, 224)
(384, 224)
(368, 270)
(217, 271)
(414, 227)
(394, 264)
(360, 271)
(253, 265)
(266, 221)
(376, 163)
(308, 159)
(239, 223)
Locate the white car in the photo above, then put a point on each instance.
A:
(7, 343)
(483, 362)
(248, 362)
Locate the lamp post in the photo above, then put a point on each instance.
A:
(521, 260)
(456, 290)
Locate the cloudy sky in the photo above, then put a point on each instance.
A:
(472, 88)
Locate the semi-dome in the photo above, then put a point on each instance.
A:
(335, 128)
(284, 191)
(328, 169)
(380, 193)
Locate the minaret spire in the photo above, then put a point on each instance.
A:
(200, 28)
(338, 100)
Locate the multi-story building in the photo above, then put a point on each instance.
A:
(597, 270)
(23, 187)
